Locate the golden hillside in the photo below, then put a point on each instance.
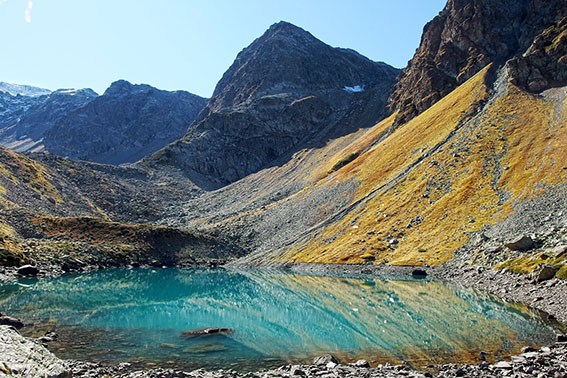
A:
(423, 189)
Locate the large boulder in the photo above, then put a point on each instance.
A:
(28, 270)
(545, 272)
(522, 243)
(325, 359)
(559, 251)
(419, 273)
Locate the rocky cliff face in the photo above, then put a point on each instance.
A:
(544, 64)
(284, 92)
(462, 39)
(124, 124)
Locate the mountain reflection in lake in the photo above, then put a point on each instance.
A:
(138, 316)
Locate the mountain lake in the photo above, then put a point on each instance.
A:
(261, 319)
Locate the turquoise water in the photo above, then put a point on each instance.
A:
(139, 315)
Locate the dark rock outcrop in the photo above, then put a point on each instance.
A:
(545, 272)
(284, 92)
(419, 273)
(544, 64)
(123, 125)
(465, 37)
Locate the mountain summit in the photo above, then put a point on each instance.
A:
(27, 117)
(287, 58)
(285, 91)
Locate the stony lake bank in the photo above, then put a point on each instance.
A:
(24, 357)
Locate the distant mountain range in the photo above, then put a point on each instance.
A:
(123, 125)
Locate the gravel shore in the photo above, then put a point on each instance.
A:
(546, 362)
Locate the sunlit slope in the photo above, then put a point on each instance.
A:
(456, 167)
(27, 174)
(53, 211)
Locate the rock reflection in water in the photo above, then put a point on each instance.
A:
(140, 315)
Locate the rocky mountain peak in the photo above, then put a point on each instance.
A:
(125, 88)
(465, 37)
(124, 124)
(287, 90)
(288, 59)
(286, 30)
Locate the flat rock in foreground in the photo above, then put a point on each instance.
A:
(21, 357)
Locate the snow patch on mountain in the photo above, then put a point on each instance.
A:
(355, 89)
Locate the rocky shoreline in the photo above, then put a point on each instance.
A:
(29, 356)
(546, 362)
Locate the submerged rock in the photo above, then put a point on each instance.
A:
(205, 348)
(168, 346)
(206, 332)
(48, 337)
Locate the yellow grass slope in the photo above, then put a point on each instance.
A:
(451, 170)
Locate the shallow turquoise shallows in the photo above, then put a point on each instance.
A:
(139, 315)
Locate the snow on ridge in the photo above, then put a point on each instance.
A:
(23, 90)
(355, 89)
(68, 91)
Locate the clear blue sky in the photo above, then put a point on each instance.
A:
(185, 44)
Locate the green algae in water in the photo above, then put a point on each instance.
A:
(139, 316)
